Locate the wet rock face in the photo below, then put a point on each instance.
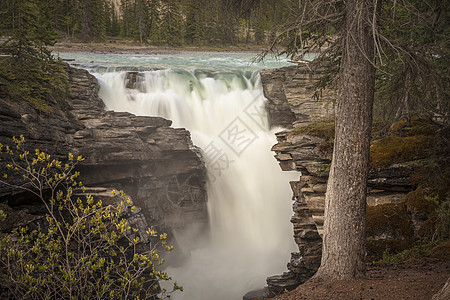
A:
(292, 103)
(156, 165)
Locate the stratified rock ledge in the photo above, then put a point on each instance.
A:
(155, 164)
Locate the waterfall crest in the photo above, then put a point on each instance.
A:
(248, 194)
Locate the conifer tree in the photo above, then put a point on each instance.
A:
(92, 20)
(171, 22)
(28, 72)
(194, 21)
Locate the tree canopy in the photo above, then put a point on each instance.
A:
(411, 43)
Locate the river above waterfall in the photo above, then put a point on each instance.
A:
(187, 60)
(219, 99)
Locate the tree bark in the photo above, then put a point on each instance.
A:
(345, 201)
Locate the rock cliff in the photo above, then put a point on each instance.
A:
(292, 96)
(294, 103)
(156, 165)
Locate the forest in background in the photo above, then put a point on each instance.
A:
(412, 39)
(410, 69)
(159, 22)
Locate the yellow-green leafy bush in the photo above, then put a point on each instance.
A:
(83, 249)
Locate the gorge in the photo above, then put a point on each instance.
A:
(214, 186)
(248, 195)
(238, 242)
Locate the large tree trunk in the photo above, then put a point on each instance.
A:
(345, 201)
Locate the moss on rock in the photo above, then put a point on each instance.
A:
(415, 126)
(323, 129)
(396, 149)
(423, 212)
(388, 229)
(407, 140)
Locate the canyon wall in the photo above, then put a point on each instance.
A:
(295, 103)
(156, 165)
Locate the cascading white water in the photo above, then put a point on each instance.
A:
(248, 195)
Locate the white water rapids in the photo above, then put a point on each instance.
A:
(249, 198)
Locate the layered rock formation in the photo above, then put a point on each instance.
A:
(293, 103)
(153, 163)
(292, 96)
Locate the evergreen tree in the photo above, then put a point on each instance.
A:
(227, 22)
(194, 21)
(413, 77)
(145, 13)
(259, 25)
(62, 14)
(126, 17)
(171, 22)
(29, 72)
(154, 21)
(115, 23)
(407, 40)
(108, 17)
(210, 30)
(92, 20)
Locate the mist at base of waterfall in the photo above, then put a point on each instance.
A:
(251, 236)
(249, 197)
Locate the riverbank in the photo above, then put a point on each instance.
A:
(128, 48)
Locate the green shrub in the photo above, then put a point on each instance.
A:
(83, 249)
(391, 222)
(439, 250)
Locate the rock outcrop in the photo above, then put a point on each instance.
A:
(293, 103)
(156, 165)
(292, 96)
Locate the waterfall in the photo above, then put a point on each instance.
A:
(248, 195)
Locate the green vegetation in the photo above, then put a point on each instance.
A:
(83, 248)
(407, 140)
(395, 149)
(388, 228)
(28, 72)
(161, 22)
(410, 231)
(421, 144)
(322, 128)
(413, 78)
(439, 250)
(403, 143)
